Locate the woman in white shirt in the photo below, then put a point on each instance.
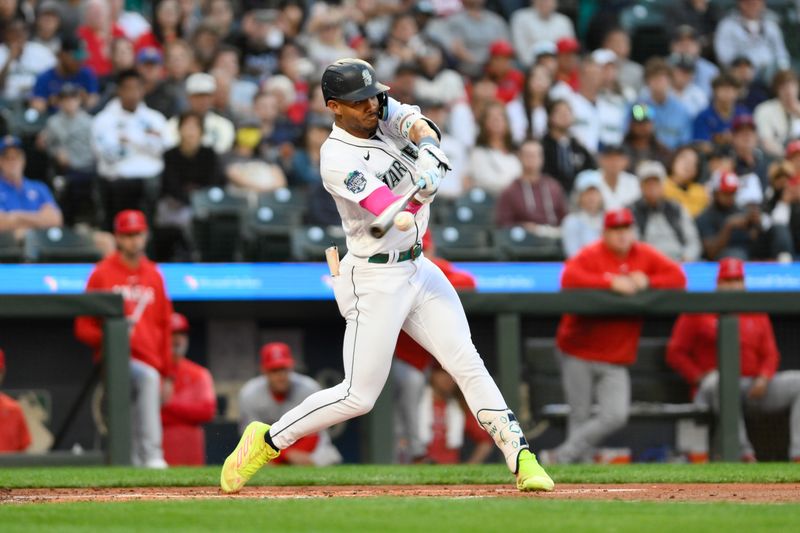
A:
(493, 165)
(527, 114)
(778, 120)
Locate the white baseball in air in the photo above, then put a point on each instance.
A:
(403, 220)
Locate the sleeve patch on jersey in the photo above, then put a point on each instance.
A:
(355, 182)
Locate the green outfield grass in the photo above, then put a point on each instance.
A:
(399, 514)
(400, 475)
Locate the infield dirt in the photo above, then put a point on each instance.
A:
(705, 492)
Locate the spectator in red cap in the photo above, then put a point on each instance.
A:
(278, 390)
(148, 310)
(728, 231)
(192, 403)
(568, 49)
(692, 352)
(540, 22)
(792, 153)
(14, 434)
(595, 352)
(500, 69)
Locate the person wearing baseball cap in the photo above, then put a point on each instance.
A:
(722, 226)
(67, 135)
(682, 69)
(692, 353)
(24, 204)
(792, 154)
(595, 352)
(218, 132)
(584, 225)
(148, 312)
(663, 223)
(500, 69)
(68, 69)
(725, 230)
(275, 392)
(14, 434)
(641, 142)
(685, 42)
(191, 403)
(160, 93)
(568, 60)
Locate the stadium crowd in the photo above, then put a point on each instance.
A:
(136, 105)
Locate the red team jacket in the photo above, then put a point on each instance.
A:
(610, 340)
(14, 434)
(193, 402)
(692, 349)
(146, 305)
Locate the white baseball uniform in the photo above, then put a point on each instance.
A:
(377, 300)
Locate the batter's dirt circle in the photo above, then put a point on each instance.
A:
(657, 492)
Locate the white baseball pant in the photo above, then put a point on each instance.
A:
(377, 300)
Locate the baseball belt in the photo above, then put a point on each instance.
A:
(410, 254)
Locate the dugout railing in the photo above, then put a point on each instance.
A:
(108, 307)
(509, 308)
(507, 311)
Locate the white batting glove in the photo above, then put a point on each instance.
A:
(431, 156)
(432, 178)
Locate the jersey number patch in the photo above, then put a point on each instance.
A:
(355, 182)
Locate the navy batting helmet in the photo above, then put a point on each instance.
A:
(351, 80)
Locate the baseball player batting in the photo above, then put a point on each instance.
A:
(378, 151)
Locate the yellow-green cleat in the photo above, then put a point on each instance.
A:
(251, 454)
(530, 475)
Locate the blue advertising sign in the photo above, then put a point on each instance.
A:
(311, 281)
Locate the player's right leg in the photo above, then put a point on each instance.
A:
(439, 325)
(374, 299)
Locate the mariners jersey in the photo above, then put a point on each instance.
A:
(352, 168)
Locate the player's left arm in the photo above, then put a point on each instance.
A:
(408, 122)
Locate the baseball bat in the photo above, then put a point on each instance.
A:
(385, 220)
